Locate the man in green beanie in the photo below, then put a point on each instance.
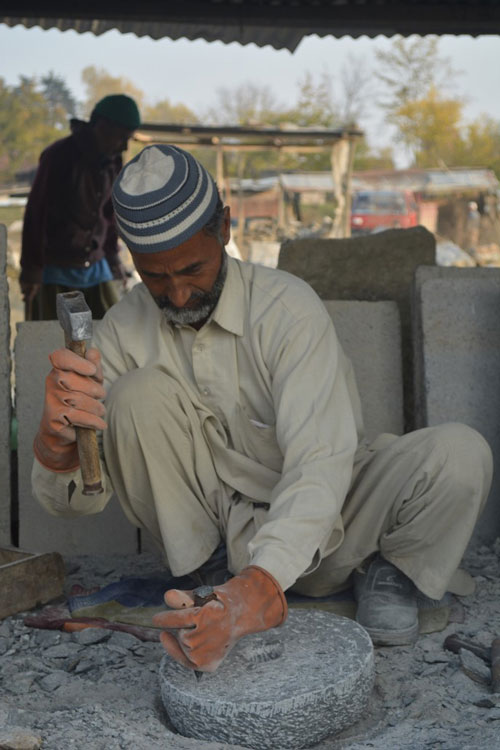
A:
(69, 235)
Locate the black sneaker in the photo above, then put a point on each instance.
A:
(387, 604)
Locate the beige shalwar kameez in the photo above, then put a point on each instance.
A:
(250, 430)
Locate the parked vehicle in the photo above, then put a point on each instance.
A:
(376, 210)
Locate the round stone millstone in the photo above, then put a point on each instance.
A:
(289, 687)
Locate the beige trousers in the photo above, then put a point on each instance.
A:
(415, 498)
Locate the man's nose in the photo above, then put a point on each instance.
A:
(178, 293)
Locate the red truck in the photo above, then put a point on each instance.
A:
(375, 210)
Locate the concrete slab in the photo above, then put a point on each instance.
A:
(289, 687)
(106, 533)
(370, 334)
(457, 359)
(372, 267)
(5, 394)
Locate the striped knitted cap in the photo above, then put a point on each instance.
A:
(162, 198)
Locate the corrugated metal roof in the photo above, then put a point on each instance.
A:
(279, 23)
(428, 181)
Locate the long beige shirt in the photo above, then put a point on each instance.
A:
(268, 374)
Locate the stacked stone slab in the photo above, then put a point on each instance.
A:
(106, 533)
(457, 358)
(370, 334)
(373, 267)
(5, 395)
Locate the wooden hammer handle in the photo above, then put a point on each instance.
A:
(86, 440)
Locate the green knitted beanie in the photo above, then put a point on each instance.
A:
(120, 109)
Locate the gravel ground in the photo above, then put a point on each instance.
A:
(98, 690)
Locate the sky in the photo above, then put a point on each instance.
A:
(189, 72)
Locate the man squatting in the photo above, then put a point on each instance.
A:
(232, 415)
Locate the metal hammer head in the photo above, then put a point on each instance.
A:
(74, 316)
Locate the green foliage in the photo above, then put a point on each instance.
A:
(60, 101)
(410, 69)
(246, 104)
(427, 120)
(430, 128)
(165, 112)
(479, 145)
(366, 157)
(315, 105)
(99, 83)
(26, 126)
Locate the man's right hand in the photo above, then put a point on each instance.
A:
(73, 390)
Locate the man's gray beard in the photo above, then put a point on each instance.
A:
(207, 301)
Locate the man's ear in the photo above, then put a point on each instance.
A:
(226, 225)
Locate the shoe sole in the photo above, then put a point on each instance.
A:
(405, 637)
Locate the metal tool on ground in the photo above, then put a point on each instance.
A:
(27, 579)
(490, 656)
(454, 643)
(75, 318)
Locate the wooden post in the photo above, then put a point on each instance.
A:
(219, 173)
(241, 207)
(281, 197)
(342, 156)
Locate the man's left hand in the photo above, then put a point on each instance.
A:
(200, 637)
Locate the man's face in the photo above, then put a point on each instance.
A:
(186, 282)
(112, 139)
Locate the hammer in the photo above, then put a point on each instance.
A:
(76, 321)
(489, 655)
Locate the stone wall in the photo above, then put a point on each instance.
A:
(457, 359)
(372, 267)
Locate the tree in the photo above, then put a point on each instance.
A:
(60, 101)
(479, 145)
(356, 86)
(25, 126)
(315, 105)
(365, 157)
(410, 69)
(165, 112)
(246, 104)
(430, 128)
(99, 83)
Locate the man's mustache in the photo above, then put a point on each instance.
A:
(164, 302)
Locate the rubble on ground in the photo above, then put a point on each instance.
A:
(99, 689)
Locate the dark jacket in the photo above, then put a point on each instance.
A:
(69, 217)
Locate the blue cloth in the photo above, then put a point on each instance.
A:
(132, 592)
(78, 278)
(148, 592)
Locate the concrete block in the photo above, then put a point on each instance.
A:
(290, 687)
(372, 267)
(370, 334)
(5, 394)
(457, 359)
(105, 533)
